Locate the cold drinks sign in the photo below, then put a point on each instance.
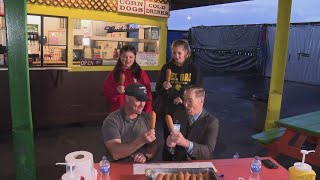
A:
(143, 7)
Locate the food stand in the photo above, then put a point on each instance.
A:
(87, 35)
(66, 38)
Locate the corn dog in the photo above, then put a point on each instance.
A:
(180, 176)
(160, 176)
(122, 79)
(174, 176)
(169, 122)
(193, 176)
(199, 176)
(152, 118)
(168, 75)
(206, 176)
(186, 176)
(167, 177)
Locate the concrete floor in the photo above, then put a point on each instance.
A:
(229, 97)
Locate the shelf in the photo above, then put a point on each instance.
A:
(55, 45)
(49, 63)
(113, 39)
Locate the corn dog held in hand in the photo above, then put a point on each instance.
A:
(152, 118)
(169, 122)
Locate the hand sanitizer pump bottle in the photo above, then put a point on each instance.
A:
(69, 175)
(301, 170)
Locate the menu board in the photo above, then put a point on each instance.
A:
(147, 58)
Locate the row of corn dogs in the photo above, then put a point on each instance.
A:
(184, 176)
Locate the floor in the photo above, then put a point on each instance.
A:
(228, 97)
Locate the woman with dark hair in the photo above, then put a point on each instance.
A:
(125, 72)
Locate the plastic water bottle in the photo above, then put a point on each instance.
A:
(221, 177)
(255, 169)
(104, 169)
(236, 155)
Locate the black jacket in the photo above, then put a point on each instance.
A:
(181, 77)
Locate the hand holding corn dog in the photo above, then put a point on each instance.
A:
(175, 137)
(169, 121)
(121, 87)
(122, 79)
(167, 85)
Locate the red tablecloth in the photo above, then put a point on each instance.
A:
(231, 168)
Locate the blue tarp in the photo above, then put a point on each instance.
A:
(303, 58)
(228, 48)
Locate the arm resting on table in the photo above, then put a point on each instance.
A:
(119, 150)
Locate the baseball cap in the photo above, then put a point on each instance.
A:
(138, 91)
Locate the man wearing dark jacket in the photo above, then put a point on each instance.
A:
(198, 133)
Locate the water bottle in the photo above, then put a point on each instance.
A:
(236, 155)
(104, 169)
(255, 169)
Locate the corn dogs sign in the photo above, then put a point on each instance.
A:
(1, 8)
(143, 7)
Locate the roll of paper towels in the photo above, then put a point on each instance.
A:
(84, 165)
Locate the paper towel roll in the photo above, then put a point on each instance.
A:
(84, 165)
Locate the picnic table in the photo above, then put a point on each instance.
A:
(293, 133)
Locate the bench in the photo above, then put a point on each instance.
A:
(268, 137)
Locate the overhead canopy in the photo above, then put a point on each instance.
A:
(183, 4)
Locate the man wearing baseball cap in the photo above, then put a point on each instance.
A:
(126, 132)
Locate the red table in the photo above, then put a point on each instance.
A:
(231, 168)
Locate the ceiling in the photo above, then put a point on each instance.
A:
(183, 4)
